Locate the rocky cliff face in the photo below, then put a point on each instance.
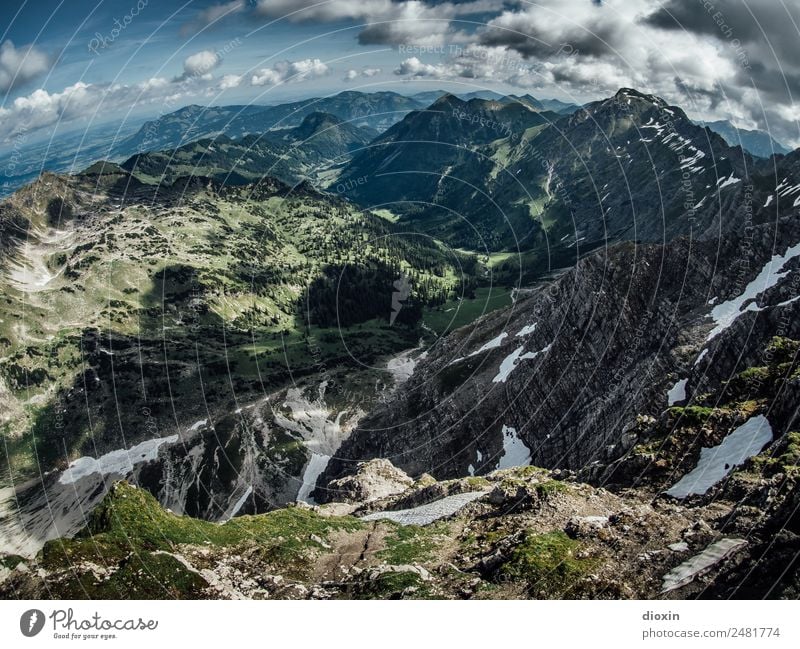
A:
(559, 378)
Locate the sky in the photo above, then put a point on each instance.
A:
(72, 64)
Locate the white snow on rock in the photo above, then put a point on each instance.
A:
(515, 453)
(677, 392)
(239, 503)
(511, 361)
(492, 344)
(701, 563)
(726, 313)
(316, 465)
(401, 367)
(429, 513)
(785, 190)
(718, 461)
(702, 355)
(119, 462)
(29, 272)
(730, 180)
(769, 200)
(690, 161)
(527, 329)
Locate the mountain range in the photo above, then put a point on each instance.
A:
(486, 347)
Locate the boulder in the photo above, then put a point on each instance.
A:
(373, 480)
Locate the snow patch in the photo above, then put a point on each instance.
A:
(240, 503)
(511, 361)
(316, 465)
(726, 313)
(492, 344)
(677, 392)
(718, 461)
(515, 453)
(119, 462)
(701, 563)
(730, 180)
(526, 330)
(430, 513)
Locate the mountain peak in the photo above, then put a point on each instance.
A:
(632, 93)
(316, 120)
(447, 101)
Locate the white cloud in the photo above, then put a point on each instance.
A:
(289, 72)
(217, 12)
(41, 109)
(387, 22)
(20, 64)
(200, 65)
(413, 67)
(212, 15)
(230, 81)
(350, 75)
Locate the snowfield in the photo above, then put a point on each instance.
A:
(717, 462)
(429, 513)
(119, 462)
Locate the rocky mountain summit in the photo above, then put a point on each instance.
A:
(520, 532)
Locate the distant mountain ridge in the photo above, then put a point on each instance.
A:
(759, 143)
(291, 155)
(630, 166)
(376, 110)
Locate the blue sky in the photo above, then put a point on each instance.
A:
(55, 71)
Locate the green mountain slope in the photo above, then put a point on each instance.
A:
(292, 155)
(131, 309)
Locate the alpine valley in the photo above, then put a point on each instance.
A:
(383, 346)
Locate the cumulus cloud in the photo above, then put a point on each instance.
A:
(289, 72)
(413, 67)
(18, 65)
(471, 62)
(387, 21)
(200, 65)
(350, 75)
(230, 81)
(42, 109)
(716, 64)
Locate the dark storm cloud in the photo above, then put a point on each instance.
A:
(754, 21)
(523, 32)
